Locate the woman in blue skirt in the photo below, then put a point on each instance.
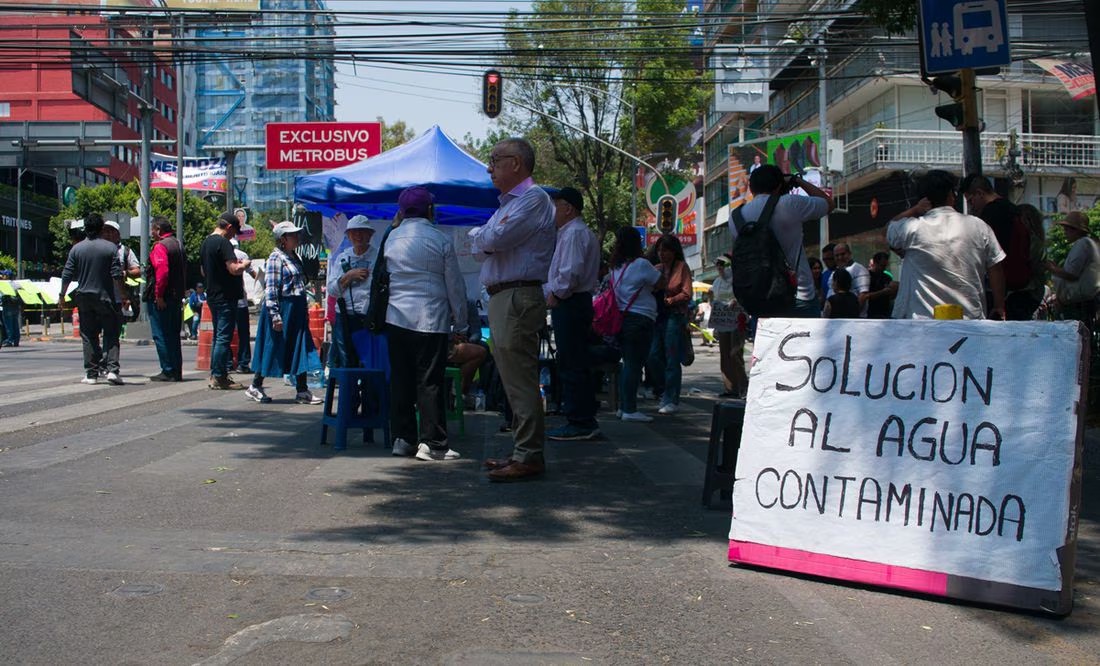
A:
(284, 345)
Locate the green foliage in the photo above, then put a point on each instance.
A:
(396, 133)
(897, 17)
(7, 262)
(1057, 244)
(555, 78)
(198, 215)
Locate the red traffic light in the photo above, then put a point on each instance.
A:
(491, 93)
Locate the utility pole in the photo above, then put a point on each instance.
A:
(822, 137)
(146, 104)
(971, 129)
(179, 136)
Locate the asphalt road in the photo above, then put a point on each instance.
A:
(171, 524)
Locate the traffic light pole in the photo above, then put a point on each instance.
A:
(971, 131)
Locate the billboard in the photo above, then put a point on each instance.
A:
(948, 465)
(741, 81)
(204, 174)
(313, 145)
(799, 153)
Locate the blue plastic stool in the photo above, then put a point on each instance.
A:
(363, 402)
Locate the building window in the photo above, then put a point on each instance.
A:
(5, 109)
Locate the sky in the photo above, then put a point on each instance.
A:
(422, 96)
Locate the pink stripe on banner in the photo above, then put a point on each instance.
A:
(842, 568)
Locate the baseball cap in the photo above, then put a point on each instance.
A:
(230, 219)
(112, 224)
(415, 201)
(571, 196)
(285, 227)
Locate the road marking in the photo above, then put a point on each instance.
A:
(99, 405)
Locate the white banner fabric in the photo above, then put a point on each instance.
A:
(943, 446)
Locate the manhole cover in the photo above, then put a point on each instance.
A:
(137, 590)
(526, 598)
(328, 594)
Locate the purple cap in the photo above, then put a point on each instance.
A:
(415, 201)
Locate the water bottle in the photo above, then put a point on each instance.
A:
(544, 387)
(316, 379)
(479, 401)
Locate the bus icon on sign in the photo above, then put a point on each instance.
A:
(978, 25)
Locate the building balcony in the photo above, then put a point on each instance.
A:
(883, 151)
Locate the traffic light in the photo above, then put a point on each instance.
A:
(954, 113)
(666, 214)
(491, 87)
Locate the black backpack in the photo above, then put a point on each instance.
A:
(764, 282)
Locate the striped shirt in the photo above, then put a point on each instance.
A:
(285, 277)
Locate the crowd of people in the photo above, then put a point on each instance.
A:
(402, 300)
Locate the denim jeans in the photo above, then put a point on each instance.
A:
(572, 320)
(810, 309)
(225, 320)
(671, 335)
(244, 338)
(634, 339)
(165, 327)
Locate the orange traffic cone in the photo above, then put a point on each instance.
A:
(206, 340)
(76, 323)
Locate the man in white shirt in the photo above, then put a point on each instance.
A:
(515, 247)
(791, 213)
(427, 294)
(573, 274)
(861, 277)
(945, 255)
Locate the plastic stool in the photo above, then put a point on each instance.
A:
(363, 402)
(725, 441)
(456, 411)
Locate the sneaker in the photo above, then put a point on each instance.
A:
(224, 384)
(403, 449)
(669, 408)
(90, 380)
(113, 378)
(257, 394)
(425, 452)
(636, 416)
(572, 433)
(618, 413)
(307, 398)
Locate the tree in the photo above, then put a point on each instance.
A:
(895, 16)
(396, 133)
(198, 215)
(556, 77)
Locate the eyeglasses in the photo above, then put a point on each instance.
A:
(493, 159)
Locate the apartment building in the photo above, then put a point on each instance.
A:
(1035, 137)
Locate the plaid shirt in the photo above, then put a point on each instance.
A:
(284, 277)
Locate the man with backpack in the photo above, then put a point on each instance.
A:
(1014, 238)
(775, 214)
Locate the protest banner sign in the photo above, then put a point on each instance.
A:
(937, 456)
(723, 317)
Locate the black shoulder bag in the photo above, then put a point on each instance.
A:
(379, 290)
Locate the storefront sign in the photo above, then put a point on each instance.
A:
(321, 145)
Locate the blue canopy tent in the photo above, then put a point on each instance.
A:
(463, 191)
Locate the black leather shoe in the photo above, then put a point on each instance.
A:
(161, 377)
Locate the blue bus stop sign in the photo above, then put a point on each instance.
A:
(963, 33)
